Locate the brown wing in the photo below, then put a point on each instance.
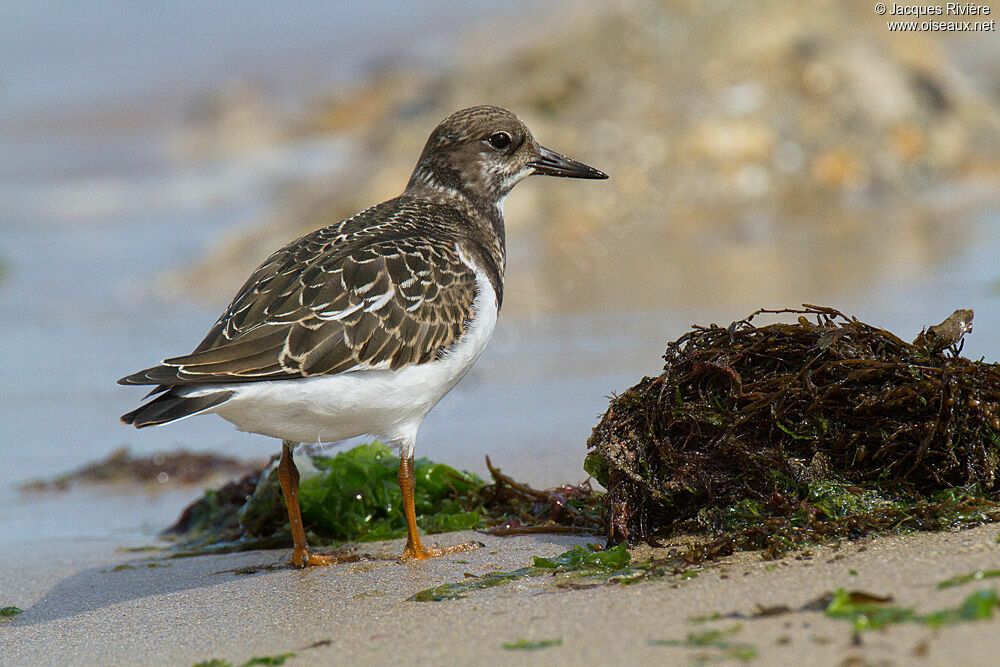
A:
(383, 305)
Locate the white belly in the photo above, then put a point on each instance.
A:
(383, 403)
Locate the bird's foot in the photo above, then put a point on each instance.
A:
(305, 558)
(420, 552)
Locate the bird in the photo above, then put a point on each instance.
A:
(361, 327)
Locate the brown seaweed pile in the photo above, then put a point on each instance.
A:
(771, 437)
(514, 508)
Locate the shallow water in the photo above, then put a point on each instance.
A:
(93, 214)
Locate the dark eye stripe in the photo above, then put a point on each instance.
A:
(499, 140)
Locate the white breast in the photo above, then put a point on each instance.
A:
(384, 403)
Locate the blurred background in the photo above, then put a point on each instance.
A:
(760, 154)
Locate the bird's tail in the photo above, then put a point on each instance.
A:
(170, 407)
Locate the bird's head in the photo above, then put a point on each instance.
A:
(482, 152)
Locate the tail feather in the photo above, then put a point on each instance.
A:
(169, 407)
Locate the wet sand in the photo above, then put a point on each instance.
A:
(80, 610)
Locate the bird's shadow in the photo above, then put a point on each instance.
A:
(121, 582)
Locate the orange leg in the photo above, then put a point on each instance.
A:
(414, 549)
(288, 475)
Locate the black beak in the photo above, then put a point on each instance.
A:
(550, 163)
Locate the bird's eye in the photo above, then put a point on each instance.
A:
(499, 140)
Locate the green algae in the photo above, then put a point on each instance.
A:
(867, 615)
(587, 559)
(714, 639)
(579, 567)
(531, 644)
(580, 560)
(269, 660)
(261, 660)
(461, 589)
(837, 500)
(865, 611)
(354, 496)
(960, 579)
(129, 566)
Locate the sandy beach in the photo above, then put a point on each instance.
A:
(88, 602)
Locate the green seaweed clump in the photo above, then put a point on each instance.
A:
(460, 589)
(773, 437)
(355, 496)
(587, 559)
(257, 660)
(873, 616)
(714, 639)
(960, 579)
(531, 644)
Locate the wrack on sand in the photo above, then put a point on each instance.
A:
(355, 497)
(769, 437)
(773, 437)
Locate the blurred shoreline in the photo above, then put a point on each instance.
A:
(756, 155)
(759, 154)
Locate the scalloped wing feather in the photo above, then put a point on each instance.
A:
(334, 302)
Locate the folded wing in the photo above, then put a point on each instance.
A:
(384, 305)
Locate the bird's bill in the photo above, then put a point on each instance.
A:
(550, 163)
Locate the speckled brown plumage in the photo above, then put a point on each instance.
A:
(386, 288)
(363, 326)
(381, 290)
